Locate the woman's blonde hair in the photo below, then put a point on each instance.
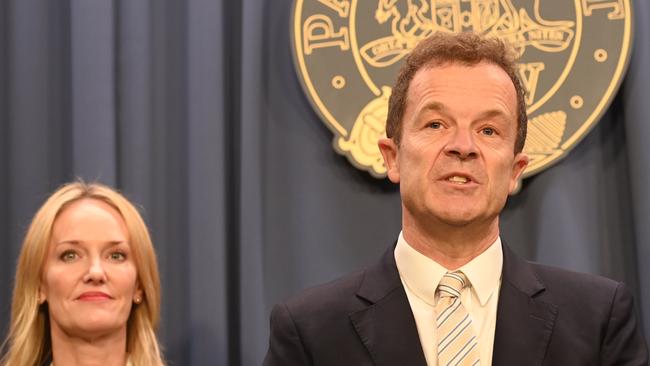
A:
(28, 342)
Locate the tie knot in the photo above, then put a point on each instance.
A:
(451, 284)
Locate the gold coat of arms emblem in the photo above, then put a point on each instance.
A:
(573, 55)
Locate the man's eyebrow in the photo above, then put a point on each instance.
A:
(441, 108)
(491, 113)
(433, 106)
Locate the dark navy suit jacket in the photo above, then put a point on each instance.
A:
(546, 316)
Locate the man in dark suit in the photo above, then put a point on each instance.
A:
(450, 292)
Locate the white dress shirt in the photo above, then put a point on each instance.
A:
(420, 277)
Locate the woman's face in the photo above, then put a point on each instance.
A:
(89, 279)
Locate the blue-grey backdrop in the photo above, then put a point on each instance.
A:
(193, 109)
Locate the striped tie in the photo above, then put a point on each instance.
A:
(457, 342)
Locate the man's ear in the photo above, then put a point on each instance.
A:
(519, 165)
(389, 150)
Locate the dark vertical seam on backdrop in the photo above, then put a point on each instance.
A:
(54, 58)
(117, 108)
(6, 266)
(59, 92)
(183, 163)
(231, 33)
(53, 53)
(67, 90)
(636, 288)
(151, 95)
(59, 76)
(183, 126)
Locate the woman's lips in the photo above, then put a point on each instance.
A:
(94, 296)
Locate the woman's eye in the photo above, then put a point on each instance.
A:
(488, 131)
(68, 256)
(435, 125)
(118, 256)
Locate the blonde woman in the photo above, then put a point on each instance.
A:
(87, 289)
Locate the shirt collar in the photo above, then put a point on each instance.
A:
(422, 274)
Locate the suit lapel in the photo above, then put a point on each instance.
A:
(524, 321)
(387, 327)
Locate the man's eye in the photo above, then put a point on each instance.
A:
(488, 131)
(68, 256)
(118, 256)
(435, 125)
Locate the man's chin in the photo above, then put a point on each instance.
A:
(459, 222)
(459, 218)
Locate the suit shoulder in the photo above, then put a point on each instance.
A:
(571, 283)
(593, 313)
(338, 294)
(556, 273)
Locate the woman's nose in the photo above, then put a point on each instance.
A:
(95, 272)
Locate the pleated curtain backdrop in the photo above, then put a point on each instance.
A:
(193, 109)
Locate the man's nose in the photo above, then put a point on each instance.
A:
(461, 144)
(95, 272)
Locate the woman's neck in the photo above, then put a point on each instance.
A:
(99, 350)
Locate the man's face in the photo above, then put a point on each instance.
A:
(455, 163)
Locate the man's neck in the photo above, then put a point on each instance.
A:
(451, 247)
(106, 350)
